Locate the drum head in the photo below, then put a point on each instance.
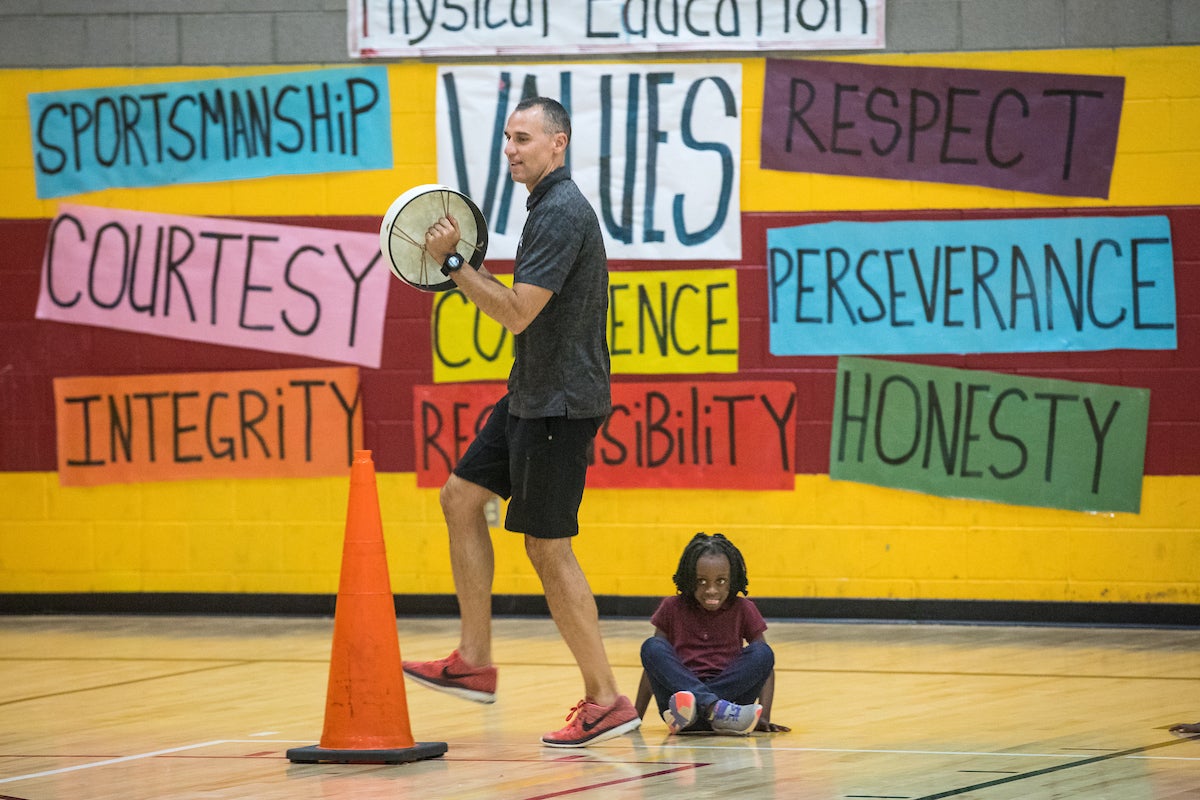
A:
(402, 234)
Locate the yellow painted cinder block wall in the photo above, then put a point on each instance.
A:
(823, 539)
(1157, 163)
(1157, 160)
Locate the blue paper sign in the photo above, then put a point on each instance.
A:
(292, 123)
(974, 286)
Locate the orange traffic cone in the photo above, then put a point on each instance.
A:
(366, 710)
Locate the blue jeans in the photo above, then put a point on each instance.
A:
(741, 682)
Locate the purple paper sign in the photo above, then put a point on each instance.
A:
(1030, 131)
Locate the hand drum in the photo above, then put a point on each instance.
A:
(402, 234)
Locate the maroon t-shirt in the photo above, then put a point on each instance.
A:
(707, 641)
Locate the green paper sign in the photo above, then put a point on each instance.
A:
(989, 436)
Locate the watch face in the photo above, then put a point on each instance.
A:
(454, 261)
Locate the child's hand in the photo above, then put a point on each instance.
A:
(766, 726)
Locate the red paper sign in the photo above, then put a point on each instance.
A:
(717, 435)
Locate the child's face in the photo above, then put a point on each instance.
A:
(712, 581)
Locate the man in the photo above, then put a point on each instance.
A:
(534, 447)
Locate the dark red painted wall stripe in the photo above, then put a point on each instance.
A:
(33, 352)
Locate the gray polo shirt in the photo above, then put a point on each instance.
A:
(562, 365)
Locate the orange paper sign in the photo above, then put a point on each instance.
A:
(276, 423)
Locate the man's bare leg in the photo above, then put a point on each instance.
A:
(472, 561)
(573, 607)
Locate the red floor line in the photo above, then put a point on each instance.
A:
(601, 785)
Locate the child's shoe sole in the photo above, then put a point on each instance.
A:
(681, 711)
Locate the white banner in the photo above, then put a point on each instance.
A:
(487, 28)
(656, 149)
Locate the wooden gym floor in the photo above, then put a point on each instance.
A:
(135, 707)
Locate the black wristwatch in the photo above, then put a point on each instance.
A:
(453, 263)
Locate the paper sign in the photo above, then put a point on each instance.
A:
(660, 322)
(736, 435)
(1033, 132)
(444, 28)
(974, 286)
(673, 322)
(985, 435)
(281, 288)
(655, 148)
(302, 423)
(289, 123)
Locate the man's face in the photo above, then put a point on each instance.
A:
(532, 153)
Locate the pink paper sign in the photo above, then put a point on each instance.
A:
(281, 288)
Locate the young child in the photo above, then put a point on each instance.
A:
(696, 666)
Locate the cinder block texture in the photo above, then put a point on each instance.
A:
(1185, 21)
(227, 39)
(1012, 25)
(43, 41)
(58, 33)
(917, 25)
(315, 37)
(1117, 23)
(155, 40)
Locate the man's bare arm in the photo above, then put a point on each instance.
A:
(514, 307)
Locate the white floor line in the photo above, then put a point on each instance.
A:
(152, 754)
(122, 759)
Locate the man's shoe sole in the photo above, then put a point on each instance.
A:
(474, 695)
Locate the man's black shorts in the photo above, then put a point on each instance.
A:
(541, 464)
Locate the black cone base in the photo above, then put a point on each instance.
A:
(401, 755)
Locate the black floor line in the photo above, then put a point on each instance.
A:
(115, 684)
(1083, 762)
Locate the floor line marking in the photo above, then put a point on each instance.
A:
(109, 761)
(226, 664)
(888, 752)
(1082, 762)
(614, 782)
(1074, 761)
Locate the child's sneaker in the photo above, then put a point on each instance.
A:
(588, 723)
(729, 717)
(681, 711)
(454, 676)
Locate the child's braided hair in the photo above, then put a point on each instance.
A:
(703, 545)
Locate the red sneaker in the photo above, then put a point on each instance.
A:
(454, 676)
(588, 723)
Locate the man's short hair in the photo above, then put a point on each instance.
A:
(554, 116)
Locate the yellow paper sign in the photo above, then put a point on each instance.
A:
(665, 322)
